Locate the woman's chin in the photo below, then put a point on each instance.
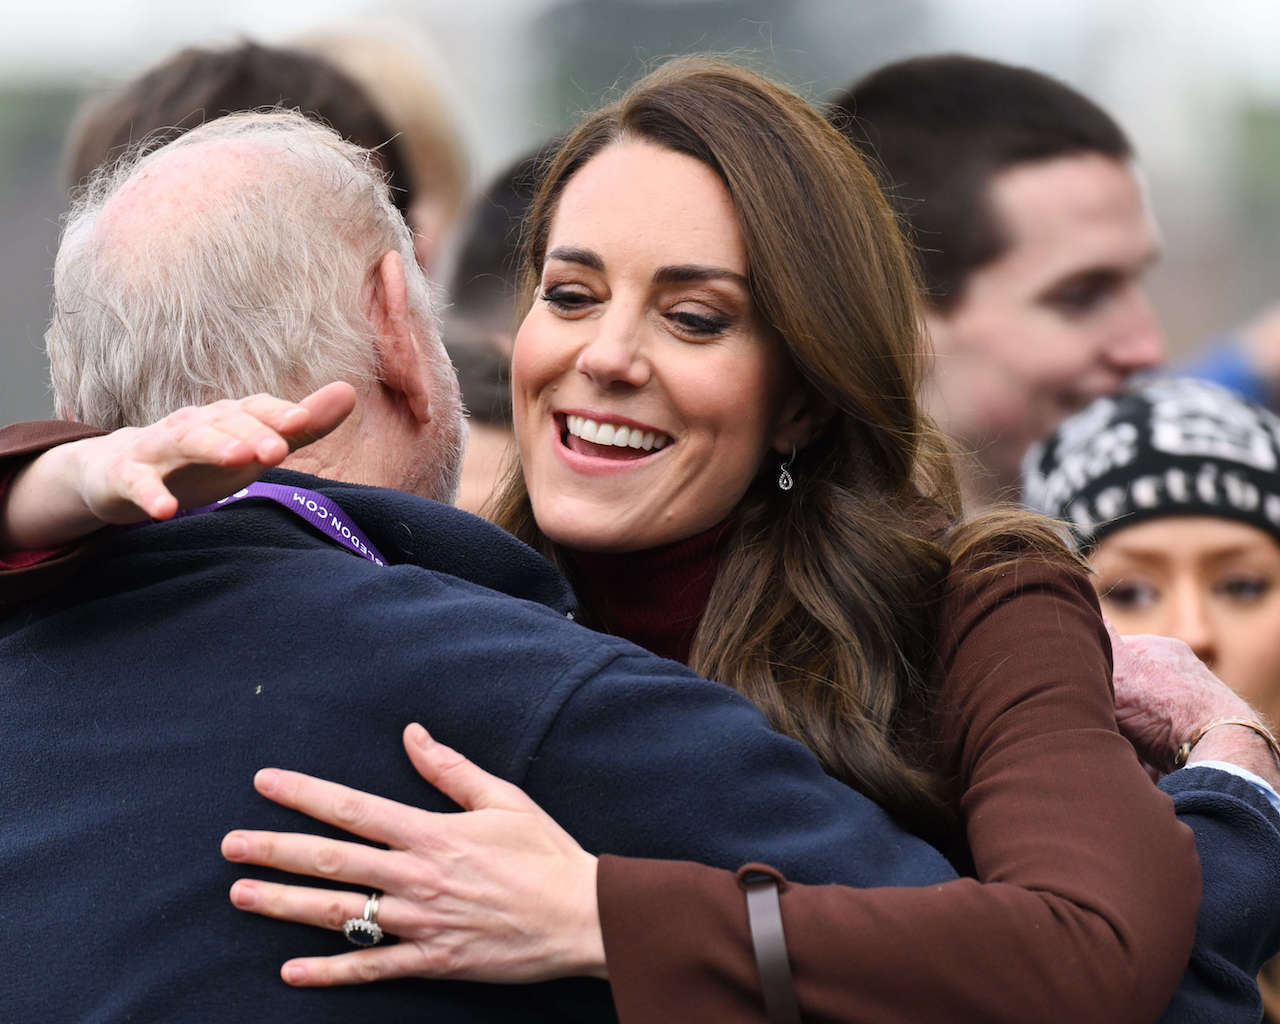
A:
(594, 528)
(603, 530)
(598, 539)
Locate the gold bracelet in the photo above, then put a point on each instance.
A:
(1267, 735)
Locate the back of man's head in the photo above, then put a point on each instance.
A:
(235, 259)
(937, 129)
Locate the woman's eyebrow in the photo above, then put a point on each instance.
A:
(584, 257)
(689, 272)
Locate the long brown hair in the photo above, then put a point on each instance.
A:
(824, 612)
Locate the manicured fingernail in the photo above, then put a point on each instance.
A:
(294, 974)
(267, 780)
(235, 848)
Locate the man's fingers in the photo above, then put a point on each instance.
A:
(467, 785)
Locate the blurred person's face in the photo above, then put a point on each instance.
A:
(646, 393)
(1213, 583)
(1059, 318)
(429, 219)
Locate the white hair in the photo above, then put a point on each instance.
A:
(262, 289)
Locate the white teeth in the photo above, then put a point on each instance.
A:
(617, 435)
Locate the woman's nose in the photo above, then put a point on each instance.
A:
(615, 354)
(1192, 622)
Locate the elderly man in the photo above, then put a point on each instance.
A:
(1034, 235)
(261, 252)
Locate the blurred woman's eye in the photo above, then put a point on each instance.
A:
(1129, 595)
(1244, 588)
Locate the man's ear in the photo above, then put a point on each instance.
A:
(803, 415)
(404, 370)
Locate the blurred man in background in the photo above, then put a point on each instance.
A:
(1034, 235)
(480, 323)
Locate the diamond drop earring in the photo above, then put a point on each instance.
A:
(785, 482)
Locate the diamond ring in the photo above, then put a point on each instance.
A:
(364, 931)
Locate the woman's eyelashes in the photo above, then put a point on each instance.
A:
(565, 299)
(699, 325)
(1133, 595)
(1243, 588)
(572, 300)
(1129, 595)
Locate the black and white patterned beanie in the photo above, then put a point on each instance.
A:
(1168, 448)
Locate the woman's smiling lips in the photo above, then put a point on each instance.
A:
(595, 436)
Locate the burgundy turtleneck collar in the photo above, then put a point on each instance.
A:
(654, 598)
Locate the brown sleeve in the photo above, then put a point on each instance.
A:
(1089, 890)
(676, 942)
(19, 444)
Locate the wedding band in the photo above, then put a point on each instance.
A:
(364, 931)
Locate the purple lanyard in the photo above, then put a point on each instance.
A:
(325, 515)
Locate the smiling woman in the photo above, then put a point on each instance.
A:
(622, 343)
(675, 283)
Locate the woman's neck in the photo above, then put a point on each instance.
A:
(654, 598)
